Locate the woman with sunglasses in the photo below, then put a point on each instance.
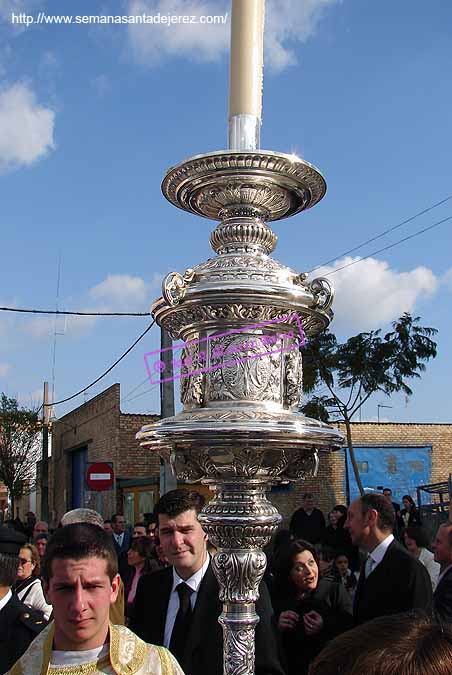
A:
(28, 586)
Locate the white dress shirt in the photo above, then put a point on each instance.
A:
(4, 601)
(379, 552)
(433, 568)
(173, 606)
(119, 538)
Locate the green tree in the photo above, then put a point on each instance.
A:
(367, 363)
(19, 447)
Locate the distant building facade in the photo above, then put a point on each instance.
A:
(396, 455)
(98, 431)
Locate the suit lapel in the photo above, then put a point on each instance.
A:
(446, 576)
(206, 600)
(365, 584)
(158, 604)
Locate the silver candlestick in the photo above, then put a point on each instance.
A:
(239, 431)
(243, 317)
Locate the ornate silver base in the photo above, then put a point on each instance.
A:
(239, 522)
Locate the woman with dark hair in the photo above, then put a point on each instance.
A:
(338, 538)
(409, 515)
(417, 541)
(309, 610)
(28, 586)
(141, 560)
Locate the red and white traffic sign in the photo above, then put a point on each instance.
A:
(100, 476)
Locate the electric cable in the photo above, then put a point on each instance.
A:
(146, 391)
(382, 234)
(58, 311)
(386, 248)
(69, 398)
(125, 398)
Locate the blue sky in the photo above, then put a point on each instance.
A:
(91, 116)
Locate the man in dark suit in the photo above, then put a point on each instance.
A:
(308, 522)
(19, 625)
(442, 597)
(391, 580)
(178, 607)
(122, 538)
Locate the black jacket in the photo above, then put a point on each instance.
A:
(340, 541)
(308, 527)
(442, 599)
(413, 519)
(333, 603)
(398, 584)
(204, 648)
(19, 626)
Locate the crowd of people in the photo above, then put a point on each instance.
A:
(364, 591)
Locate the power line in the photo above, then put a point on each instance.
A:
(57, 311)
(69, 398)
(126, 396)
(382, 234)
(386, 248)
(146, 391)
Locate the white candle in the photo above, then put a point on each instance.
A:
(247, 44)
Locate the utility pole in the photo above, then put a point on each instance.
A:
(167, 480)
(45, 455)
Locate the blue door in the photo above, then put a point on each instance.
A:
(401, 468)
(79, 458)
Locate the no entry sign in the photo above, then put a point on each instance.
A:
(99, 476)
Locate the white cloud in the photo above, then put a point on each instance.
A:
(151, 43)
(7, 7)
(43, 327)
(370, 294)
(4, 369)
(287, 22)
(26, 128)
(116, 293)
(121, 290)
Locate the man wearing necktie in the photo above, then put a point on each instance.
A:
(392, 580)
(178, 607)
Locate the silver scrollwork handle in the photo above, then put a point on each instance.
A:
(323, 291)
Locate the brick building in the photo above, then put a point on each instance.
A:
(396, 455)
(400, 456)
(98, 431)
